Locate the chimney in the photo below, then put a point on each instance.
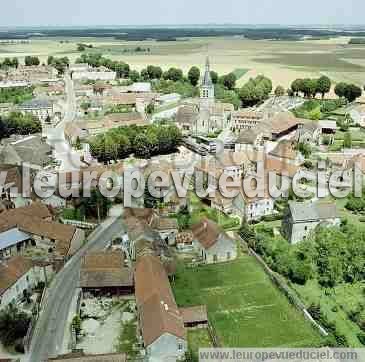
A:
(166, 307)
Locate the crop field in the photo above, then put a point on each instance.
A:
(282, 61)
(244, 307)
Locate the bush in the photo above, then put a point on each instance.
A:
(361, 337)
(274, 217)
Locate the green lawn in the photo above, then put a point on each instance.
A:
(243, 305)
(198, 338)
(335, 304)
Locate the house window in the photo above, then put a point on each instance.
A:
(215, 258)
(27, 278)
(305, 228)
(180, 346)
(228, 255)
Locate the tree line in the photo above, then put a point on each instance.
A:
(16, 95)
(311, 87)
(143, 142)
(18, 123)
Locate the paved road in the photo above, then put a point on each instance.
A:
(69, 159)
(48, 336)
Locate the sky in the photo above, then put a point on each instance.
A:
(161, 12)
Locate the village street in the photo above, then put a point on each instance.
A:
(48, 336)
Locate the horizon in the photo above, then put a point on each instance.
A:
(37, 13)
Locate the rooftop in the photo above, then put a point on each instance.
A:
(313, 211)
(11, 270)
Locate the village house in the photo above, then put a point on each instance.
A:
(18, 276)
(184, 241)
(32, 150)
(14, 84)
(43, 109)
(170, 98)
(212, 243)
(301, 219)
(253, 139)
(100, 73)
(160, 320)
(34, 74)
(84, 129)
(104, 273)
(167, 227)
(245, 119)
(19, 229)
(253, 208)
(283, 125)
(141, 238)
(14, 191)
(309, 132)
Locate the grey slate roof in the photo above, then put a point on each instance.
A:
(12, 237)
(36, 103)
(320, 211)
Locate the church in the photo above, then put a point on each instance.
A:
(204, 116)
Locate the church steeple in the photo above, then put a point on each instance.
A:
(207, 80)
(207, 86)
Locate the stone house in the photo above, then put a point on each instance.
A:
(160, 320)
(40, 108)
(309, 132)
(17, 275)
(59, 239)
(301, 219)
(212, 243)
(104, 273)
(167, 228)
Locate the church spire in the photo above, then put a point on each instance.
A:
(207, 80)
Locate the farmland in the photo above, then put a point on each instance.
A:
(282, 61)
(244, 307)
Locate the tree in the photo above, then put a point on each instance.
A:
(255, 91)
(229, 81)
(50, 60)
(279, 91)
(340, 89)
(133, 75)
(194, 75)
(214, 76)
(352, 92)
(150, 108)
(323, 85)
(297, 86)
(347, 141)
(29, 61)
(154, 72)
(13, 325)
(309, 87)
(174, 74)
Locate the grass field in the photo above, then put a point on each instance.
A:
(198, 338)
(243, 305)
(282, 61)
